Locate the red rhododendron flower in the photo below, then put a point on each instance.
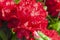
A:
(13, 22)
(51, 33)
(23, 33)
(53, 7)
(27, 11)
(32, 18)
(28, 16)
(9, 10)
(1, 7)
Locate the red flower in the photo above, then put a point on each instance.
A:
(10, 10)
(13, 22)
(51, 33)
(32, 18)
(1, 7)
(53, 7)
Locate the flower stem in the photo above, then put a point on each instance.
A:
(51, 19)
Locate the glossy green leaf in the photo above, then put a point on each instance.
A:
(16, 1)
(43, 36)
(3, 36)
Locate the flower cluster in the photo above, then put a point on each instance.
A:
(26, 17)
(53, 7)
(32, 17)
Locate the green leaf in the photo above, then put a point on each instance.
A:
(3, 36)
(39, 39)
(16, 1)
(58, 31)
(43, 36)
(56, 26)
(39, 0)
